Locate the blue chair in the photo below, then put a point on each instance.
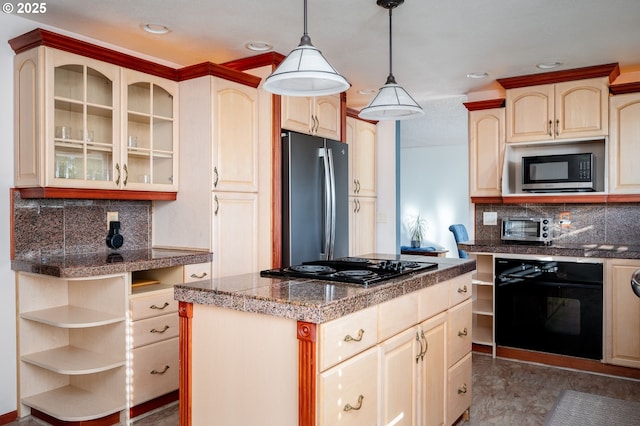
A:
(460, 234)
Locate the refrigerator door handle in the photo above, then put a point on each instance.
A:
(322, 152)
(332, 183)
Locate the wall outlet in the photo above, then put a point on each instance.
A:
(564, 218)
(111, 217)
(490, 218)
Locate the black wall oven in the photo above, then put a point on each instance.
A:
(549, 306)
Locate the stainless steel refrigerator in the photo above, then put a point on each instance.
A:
(315, 199)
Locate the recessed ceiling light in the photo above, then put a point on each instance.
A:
(548, 65)
(259, 46)
(477, 75)
(156, 28)
(367, 91)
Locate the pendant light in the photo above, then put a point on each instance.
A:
(392, 102)
(305, 72)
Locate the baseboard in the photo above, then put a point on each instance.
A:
(8, 417)
(564, 361)
(158, 402)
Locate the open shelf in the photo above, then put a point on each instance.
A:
(483, 307)
(72, 404)
(72, 317)
(73, 361)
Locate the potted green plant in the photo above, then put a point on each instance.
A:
(417, 230)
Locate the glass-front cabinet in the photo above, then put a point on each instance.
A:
(84, 123)
(84, 126)
(149, 132)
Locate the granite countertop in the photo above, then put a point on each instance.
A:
(314, 300)
(106, 263)
(612, 251)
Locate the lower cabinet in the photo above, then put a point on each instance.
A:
(622, 314)
(417, 372)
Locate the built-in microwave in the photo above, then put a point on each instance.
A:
(558, 173)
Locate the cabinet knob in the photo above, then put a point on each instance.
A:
(462, 389)
(463, 332)
(350, 407)
(462, 290)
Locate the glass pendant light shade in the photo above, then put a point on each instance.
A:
(305, 72)
(391, 103)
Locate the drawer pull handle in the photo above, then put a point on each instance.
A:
(462, 389)
(199, 276)
(166, 367)
(166, 327)
(156, 307)
(350, 407)
(421, 354)
(463, 332)
(462, 290)
(348, 337)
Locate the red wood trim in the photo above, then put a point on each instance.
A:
(622, 88)
(486, 200)
(8, 417)
(623, 198)
(215, 70)
(353, 113)
(276, 181)
(257, 61)
(307, 361)
(95, 194)
(185, 312)
(483, 349)
(158, 402)
(486, 104)
(554, 199)
(111, 419)
(40, 37)
(607, 70)
(343, 117)
(567, 362)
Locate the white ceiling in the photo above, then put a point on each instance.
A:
(435, 43)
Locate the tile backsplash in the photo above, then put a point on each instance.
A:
(62, 226)
(612, 223)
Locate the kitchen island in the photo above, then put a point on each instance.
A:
(283, 351)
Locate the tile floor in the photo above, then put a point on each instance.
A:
(504, 393)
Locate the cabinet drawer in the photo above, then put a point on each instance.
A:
(459, 389)
(155, 370)
(348, 393)
(153, 305)
(397, 315)
(347, 336)
(197, 272)
(155, 329)
(459, 289)
(433, 300)
(459, 332)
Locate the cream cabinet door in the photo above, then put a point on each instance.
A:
(235, 233)
(348, 392)
(297, 112)
(362, 226)
(624, 144)
(361, 137)
(149, 158)
(400, 359)
(235, 137)
(581, 108)
(459, 380)
(432, 374)
(530, 112)
(622, 314)
(327, 115)
(486, 152)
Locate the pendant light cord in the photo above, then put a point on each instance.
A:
(390, 78)
(305, 40)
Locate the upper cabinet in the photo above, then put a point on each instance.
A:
(624, 144)
(320, 116)
(361, 137)
(486, 152)
(572, 109)
(73, 131)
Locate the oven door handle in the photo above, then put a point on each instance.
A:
(513, 281)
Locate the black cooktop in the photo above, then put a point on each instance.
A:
(351, 270)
